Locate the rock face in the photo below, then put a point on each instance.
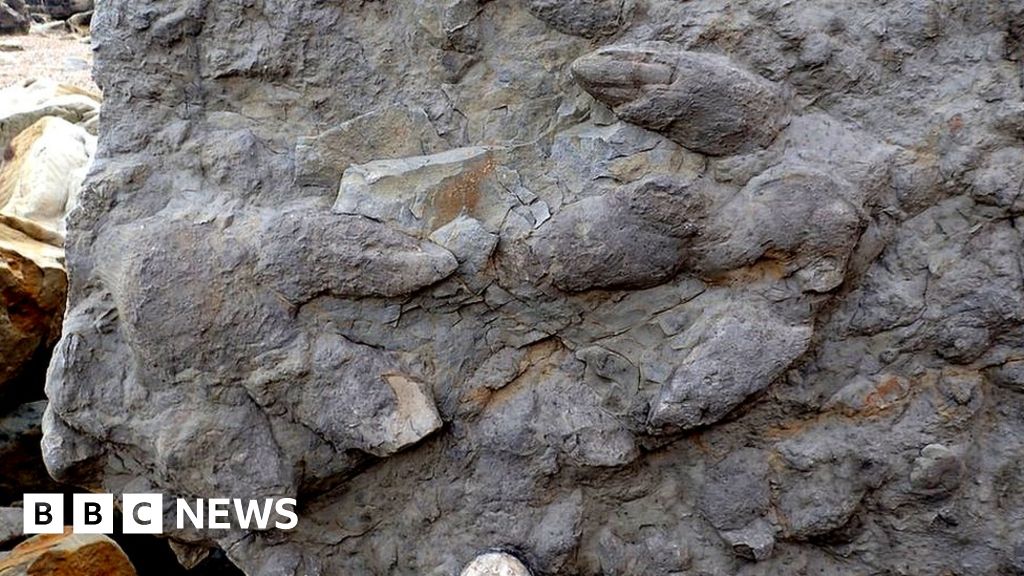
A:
(67, 554)
(617, 287)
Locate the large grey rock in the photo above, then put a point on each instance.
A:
(611, 287)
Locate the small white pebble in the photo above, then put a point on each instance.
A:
(495, 564)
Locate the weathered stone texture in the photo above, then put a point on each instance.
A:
(610, 287)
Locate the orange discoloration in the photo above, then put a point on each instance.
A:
(890, 392)
(539, 357)
(773, 266)
(461, 194)
(956, 123)
(885, 393)
(796, 427)
(699, 443)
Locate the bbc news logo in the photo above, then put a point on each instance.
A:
(144, 514)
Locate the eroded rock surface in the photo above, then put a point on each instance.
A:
(615, 287)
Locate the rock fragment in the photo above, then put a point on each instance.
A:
(586, 18)
(1009, 375)
(26, 103)
(703, 101)
(60, 9)
(11, 529)
(348, 256)
(391, 132)
(42, 172)
(796, 216)
(1000, 180)
(23, 471)
(467, 240)
(824, 498)
(419, 194)
(634, 237)
(14, 18)
(755, 541)
(495, 564)
(736, 491)
(731, 353)
(936, 471)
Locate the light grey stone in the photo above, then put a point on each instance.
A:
(11, 528)
(467, 240)
(1009, 375)
(392, 132)
(495, 564)
(420, 194)
(937, 470)
(755, 541)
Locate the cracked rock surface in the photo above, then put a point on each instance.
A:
(587, 287)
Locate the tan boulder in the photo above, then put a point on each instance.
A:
(67, 555)
(33, 286)
(22, 105)
(42, 172)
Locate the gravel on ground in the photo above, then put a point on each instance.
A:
(60, 56)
